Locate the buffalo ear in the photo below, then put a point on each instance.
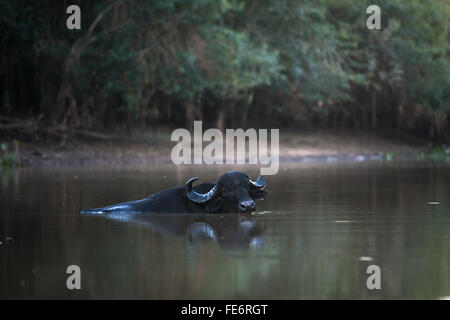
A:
(258, 194)
(214, 205)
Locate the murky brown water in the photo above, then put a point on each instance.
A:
(314, 237)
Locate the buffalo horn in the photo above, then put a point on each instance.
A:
(260, 183)
(199, 197)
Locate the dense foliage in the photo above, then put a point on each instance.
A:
(287, 63)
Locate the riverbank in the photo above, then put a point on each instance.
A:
(152, 148)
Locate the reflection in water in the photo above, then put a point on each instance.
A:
(313, 237)
(229, 232)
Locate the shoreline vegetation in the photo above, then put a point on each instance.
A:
(285, 64)
(154, 147)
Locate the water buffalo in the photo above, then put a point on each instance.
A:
(232, 192)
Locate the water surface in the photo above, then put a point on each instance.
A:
(314, 237)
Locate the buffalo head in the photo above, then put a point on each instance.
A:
(232, 192)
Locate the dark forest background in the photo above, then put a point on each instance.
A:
(288, 64)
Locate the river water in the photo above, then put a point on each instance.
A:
(314, 237)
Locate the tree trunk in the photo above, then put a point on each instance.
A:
(374, 111)
(6, 103)
(190, 116)
(63, 94)
(244, 115)
(221, 120)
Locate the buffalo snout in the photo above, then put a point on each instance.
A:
(247, 206)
